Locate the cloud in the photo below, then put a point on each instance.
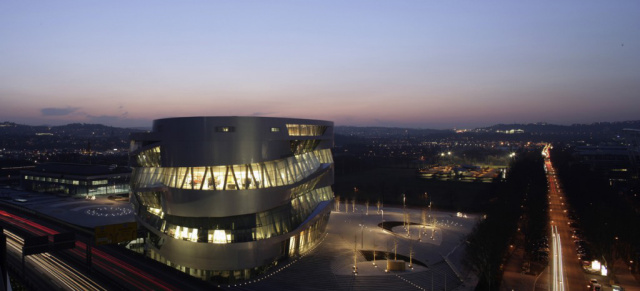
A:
(58, 111)
(104, 119)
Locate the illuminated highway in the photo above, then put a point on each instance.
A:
(119, 272)
(566, 270)
(60, 273)
(557, 270)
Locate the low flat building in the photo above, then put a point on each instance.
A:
(77, 179)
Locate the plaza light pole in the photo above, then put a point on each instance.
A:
(424, 222)
(362, 236)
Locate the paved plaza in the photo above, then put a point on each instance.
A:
(76, 210)
(329, 266)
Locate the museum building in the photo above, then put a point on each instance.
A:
(225, 198)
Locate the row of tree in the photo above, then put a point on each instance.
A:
(487, 245)
(606, 217)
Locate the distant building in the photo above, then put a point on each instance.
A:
(225, 198)
(632, 135)
(77, 179)
(616, 162)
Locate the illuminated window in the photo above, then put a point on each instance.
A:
(156, 211)
(177, 232)
(306, 129)
(219, 236)
(303, 146)
(258, 226)
(149, 158)
(275, 129)
(194, 235)
(292, 246)
(225, 129)
(185, 233)
(235, 177)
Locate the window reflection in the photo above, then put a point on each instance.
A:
(149, 158)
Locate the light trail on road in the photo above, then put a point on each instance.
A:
(558, 272)
(66, 276)
(566, 271)
(103, 261)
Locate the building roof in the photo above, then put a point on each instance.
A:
(79, 169)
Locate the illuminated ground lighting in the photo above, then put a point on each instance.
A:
(107, 211)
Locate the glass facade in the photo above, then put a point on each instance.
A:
(233, 177)
(77, 186)
(306, 129)
(150, 198)
(148, 158)
(306, 240)
(240, 228)
(304, 146)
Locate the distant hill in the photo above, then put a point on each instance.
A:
(351, 134)
(70, 137)
(85, 130)
(599, 127)
(391, 132)
(73, 129)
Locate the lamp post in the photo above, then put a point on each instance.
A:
(361, 235)
(355, 256)
(424, 214)
(367, 205)
(404, 210)
(374, 252)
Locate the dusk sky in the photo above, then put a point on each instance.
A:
(424, 64)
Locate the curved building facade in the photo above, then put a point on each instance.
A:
(225, 198)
